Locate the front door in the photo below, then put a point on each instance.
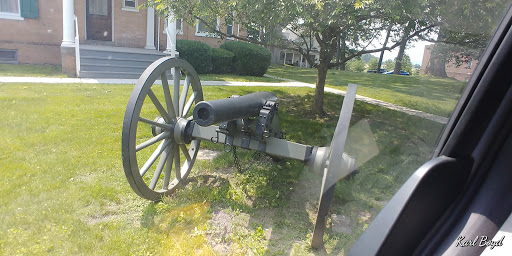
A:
(99, 19)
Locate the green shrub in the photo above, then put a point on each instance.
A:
(250, 59)
(198, 54)
(221, 60)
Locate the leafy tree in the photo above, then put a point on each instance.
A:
(367, 57)
(359, 21)
(356, 65)
(389, 64)
(406, 64)
(373, 63)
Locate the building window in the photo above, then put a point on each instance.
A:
(19, 9)
(229, 29)
(8, 56)
(10, 9)
(202, 29)
(130, 5)
(97, 7)
(230, 25)
(179, 26)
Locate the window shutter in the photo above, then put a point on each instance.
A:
(29, 9)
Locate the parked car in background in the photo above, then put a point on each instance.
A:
(382, 70)
(403, 73)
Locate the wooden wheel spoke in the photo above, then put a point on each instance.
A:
(185, 152)
(151, 141)
(159, 168)
(163, 126)
(177, 164)
(176, 95)
(153, 157)
(167, 95)
(189, 104)
(168, 169)
(184, 95)
(159, 106)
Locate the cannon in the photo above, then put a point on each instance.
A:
(159, 125)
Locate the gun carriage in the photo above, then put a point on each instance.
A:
(172, 134)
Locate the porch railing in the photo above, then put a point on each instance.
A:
(77, 48)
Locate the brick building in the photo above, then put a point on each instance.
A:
(461, 73)
(43, 32)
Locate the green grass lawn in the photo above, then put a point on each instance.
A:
(31, 70)
(64, 191)
(432, 95)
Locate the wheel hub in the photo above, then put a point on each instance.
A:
(183, 131)
(155, 130)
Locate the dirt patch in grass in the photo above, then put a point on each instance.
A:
(207, 154)
(220, 232)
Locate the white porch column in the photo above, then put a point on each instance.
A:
(171, 36)
(68, 23)
(150, 32)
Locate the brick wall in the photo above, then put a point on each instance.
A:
(461, 73)
(129, 26)
(37, 40)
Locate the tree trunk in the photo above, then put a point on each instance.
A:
(343, 52)
(318, 104)
(338, 52)
(379, 66)
(437, 65)
(401, 51)
(399, 57)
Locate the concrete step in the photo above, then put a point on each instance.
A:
(115, 62)
(108, 74)
(121, 55)
(111, 74)
(112, 68)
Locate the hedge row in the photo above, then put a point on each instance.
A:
(198, 54)
(232, 57)
(221, 60)
(250, 59)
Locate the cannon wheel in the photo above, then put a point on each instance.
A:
(155, 127)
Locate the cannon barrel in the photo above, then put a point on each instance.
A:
(217, 111)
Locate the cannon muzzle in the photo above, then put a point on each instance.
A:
(216, 111)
